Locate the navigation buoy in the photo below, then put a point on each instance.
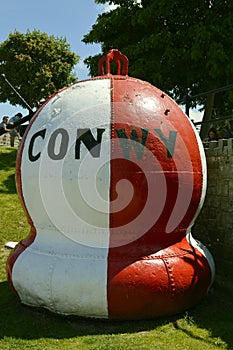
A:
(111, 174)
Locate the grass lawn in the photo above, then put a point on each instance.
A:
(208, 326)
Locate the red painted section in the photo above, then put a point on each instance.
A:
(161, 284)
(132, 114)
(113, 56)
(21, 246)
(156, 273)
(125, 169)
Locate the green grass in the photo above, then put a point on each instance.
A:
(208, 326)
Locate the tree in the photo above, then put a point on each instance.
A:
(36, 64)
(183, 47)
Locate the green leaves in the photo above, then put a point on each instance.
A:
(36, 64)
(180, 46)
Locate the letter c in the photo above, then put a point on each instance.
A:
(32, 157)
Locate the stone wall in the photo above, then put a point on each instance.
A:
(214, 225)
(5, 140)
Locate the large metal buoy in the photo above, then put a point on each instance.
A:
(111, 174)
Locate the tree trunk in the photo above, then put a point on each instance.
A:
(207, 115)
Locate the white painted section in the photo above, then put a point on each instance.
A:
(70, 283)
(65, 269)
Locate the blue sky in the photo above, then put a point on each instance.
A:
(70, 19)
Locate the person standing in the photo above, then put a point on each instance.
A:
(14, 132)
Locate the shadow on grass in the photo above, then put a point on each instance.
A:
(7, 158)
(213, 314)
(7, 164)
(8, 186)
(23, 322)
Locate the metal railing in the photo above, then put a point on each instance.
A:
(188, 98)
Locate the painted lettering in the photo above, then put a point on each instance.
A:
(31, 156)
(54, 141)
(59, 140)
(137, 145)
(93, 146)
(168, 142)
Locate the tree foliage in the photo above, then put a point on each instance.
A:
(183, 47)
(36, 64)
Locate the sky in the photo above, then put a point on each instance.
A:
(71, 19)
